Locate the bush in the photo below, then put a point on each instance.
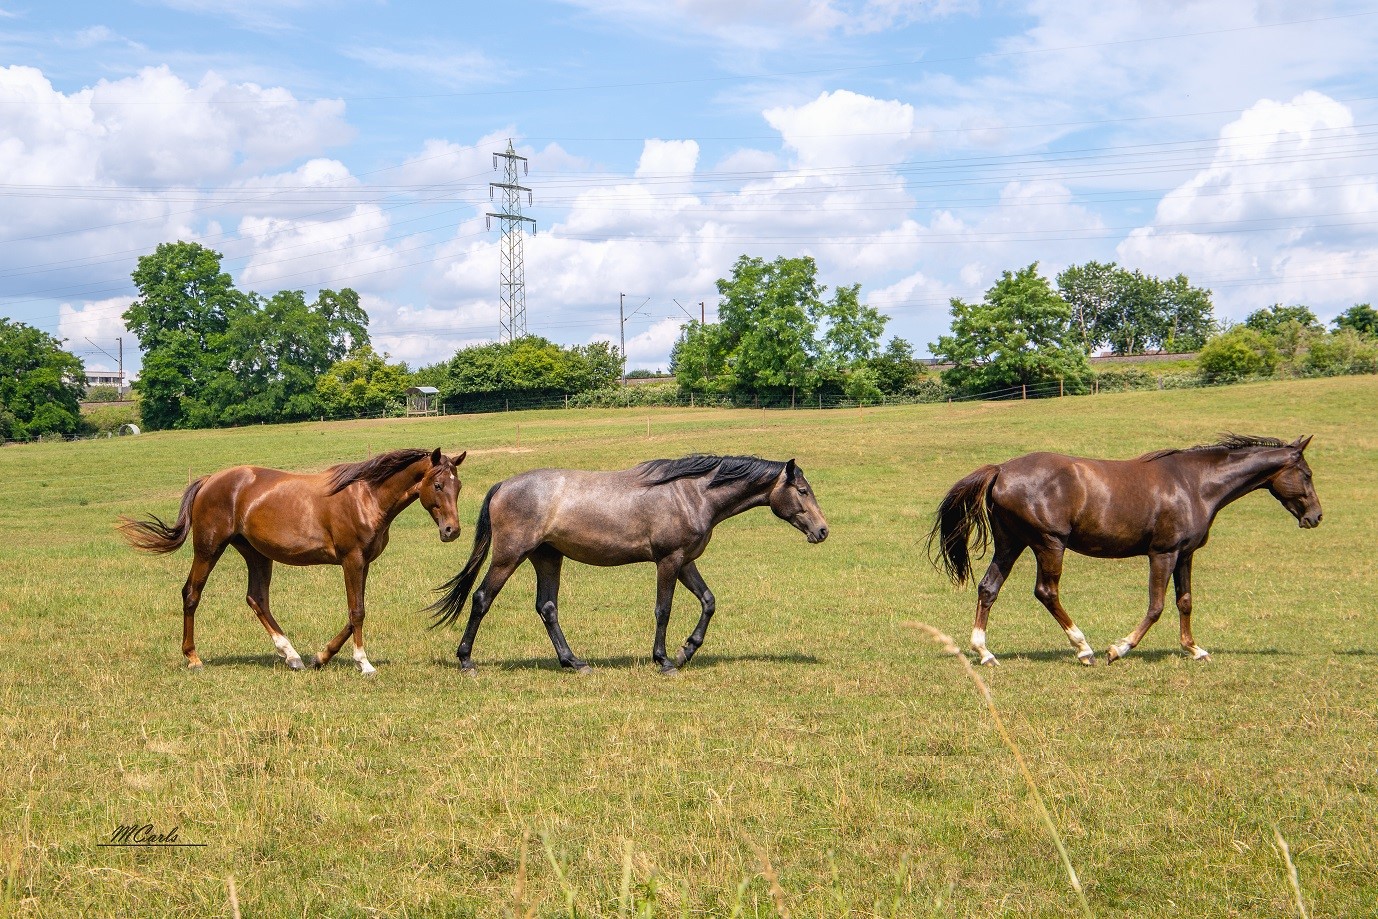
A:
(650, 394)
(1125, 379)
(926, 389)
(1240, 353)
(1341, 352)
(102, 394)
(108, 419)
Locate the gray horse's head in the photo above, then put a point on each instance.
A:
(793, 501)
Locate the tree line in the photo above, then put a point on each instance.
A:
(215, 355)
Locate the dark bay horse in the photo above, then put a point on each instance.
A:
(337, 517)
(662, 511)
(1161, 505)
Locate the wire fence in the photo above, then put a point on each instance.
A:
(670, 395)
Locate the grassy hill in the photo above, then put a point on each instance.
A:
(819, 756)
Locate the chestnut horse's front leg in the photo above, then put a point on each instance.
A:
(1159, 568)
(1181, 579)
(355, 577)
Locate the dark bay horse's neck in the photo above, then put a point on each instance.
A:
(1229, 476)
(397, 493)
(730, 500)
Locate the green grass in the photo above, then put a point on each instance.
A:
(817, 740)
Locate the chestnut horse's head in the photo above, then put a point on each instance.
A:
(440, 493)
(1291, 485)
(792, 500)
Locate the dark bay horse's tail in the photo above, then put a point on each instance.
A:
(449, 607)
(962, 511)
(153, 535)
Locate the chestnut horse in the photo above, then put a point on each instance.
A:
(662, 511)
(337, 517)
(1161, 505)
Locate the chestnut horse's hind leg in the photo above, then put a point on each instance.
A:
(1159, 568)
(1046, 590)
(689, 576)
(1006, 554)
(201, 567)
(547, 563)
(1181, 578)
(260, 579)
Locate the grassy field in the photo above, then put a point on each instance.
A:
(820, 757)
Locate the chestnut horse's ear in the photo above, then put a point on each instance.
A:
(791, 471)
(436, 457)
(459, 459)
(1301, 442)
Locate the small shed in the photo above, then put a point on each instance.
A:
(423, 400)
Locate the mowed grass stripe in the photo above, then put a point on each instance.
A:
(814, 726)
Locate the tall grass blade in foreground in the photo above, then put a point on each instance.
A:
(947, 644)
(1291, 872)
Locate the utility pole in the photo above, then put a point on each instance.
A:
(703, 317)
(512, 270)
(120, 339)
(622, 324)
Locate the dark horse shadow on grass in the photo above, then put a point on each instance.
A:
(631, 661)
(268, 661)
(1151, 654)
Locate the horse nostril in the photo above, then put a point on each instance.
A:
(823, 533)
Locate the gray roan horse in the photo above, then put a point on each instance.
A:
(662, 511)
(1161, 504)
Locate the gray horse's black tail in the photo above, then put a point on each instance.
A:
(449, 607)
(962, 511)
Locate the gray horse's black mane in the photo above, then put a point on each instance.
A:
(1228, 442)
(374, 470)
(726, 469)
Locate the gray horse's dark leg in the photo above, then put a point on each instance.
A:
(547, 564)
(497, 575)
(667, 569)
(689, 576)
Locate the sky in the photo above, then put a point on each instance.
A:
(917, 147)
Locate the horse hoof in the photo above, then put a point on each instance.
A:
(1201, 654)
(316, 662)
(681, 659)
(296, 663)
(583, 668)
(1088, 659)
(197, 667)
(368, 674)
(990, 660)
(467, 668)
(668, 668)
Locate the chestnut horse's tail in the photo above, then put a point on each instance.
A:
(449, 607)
(962, 511)
(153, 535)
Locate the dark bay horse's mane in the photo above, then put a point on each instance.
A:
(725, 469)
(1227, 443)
(374, 470)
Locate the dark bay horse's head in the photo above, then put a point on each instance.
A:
(1291, 485)
(792, 500)
(440, 493)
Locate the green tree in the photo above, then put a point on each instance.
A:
(40, 384)
(184, 308)
(776, 333)
(1239, 353)
(895, 368)
(528, 367)
(1272, 320)
(1021, 333)
(767, 323)
(362, 383)
(1361, 318)
(1133, 312)
(275, 351)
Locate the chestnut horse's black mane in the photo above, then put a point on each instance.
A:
(1228, 442)
(374, 470)
(725, 469)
